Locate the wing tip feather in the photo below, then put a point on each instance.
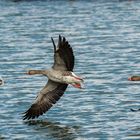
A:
(53, 44)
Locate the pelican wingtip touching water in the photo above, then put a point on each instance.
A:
(59, 77)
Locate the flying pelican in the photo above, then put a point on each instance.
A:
(59, 77)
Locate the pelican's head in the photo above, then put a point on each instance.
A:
(134, 78)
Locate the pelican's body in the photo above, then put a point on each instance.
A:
(60, 76)
(66, 77)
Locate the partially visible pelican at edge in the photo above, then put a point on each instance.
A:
(59, 77)
(1, 81)
(134, 78)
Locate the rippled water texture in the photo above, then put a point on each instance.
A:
(105, 36)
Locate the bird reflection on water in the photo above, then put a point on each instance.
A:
(2, 138)
(56, 130)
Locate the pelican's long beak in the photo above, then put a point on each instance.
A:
(33, 72)
(129, 79)
(29, 72)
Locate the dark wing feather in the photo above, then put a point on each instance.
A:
(63, 57)
(48, 96)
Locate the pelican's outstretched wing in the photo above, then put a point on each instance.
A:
(63, 55)
(48, 96)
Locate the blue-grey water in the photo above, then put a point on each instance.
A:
(105, 36)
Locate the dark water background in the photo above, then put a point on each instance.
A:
(105, 36)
